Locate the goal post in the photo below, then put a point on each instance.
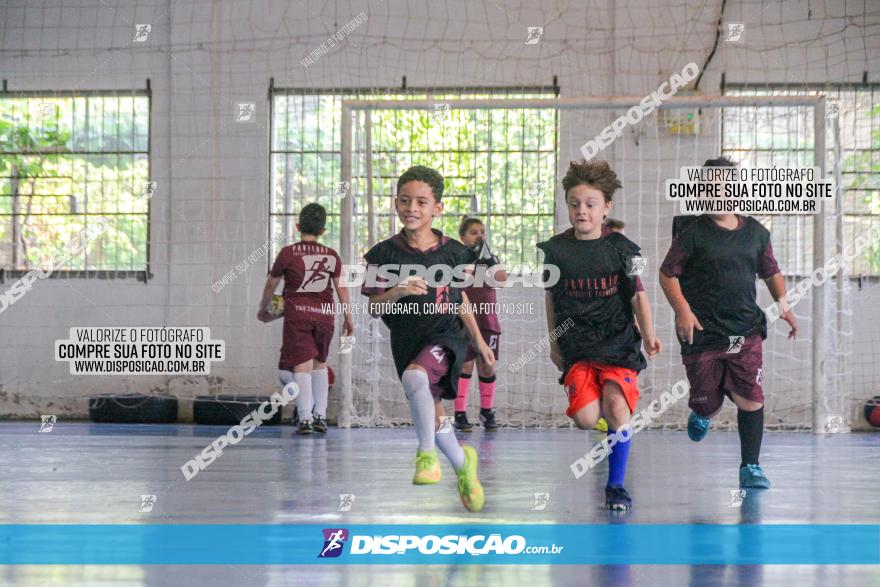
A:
(356, 143)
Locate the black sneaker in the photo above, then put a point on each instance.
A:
(305, 427)
(487, 418)
(319, 425)
(617, 499)
(461, 422)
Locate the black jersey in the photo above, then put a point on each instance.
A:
(412, 331)
(595, 292)
(717, 270)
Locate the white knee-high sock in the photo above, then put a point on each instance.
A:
(421, 406)
(285, 378)
(320, 387)
(448, 444)
(304, 399)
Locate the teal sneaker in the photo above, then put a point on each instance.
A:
(698, 427)
(753, 477)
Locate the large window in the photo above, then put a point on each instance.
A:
(769, 136)
(71, 163)
(499, 164)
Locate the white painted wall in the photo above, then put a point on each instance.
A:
(210, 210)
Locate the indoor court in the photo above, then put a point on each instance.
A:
(174, 175)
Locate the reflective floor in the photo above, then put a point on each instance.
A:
(82, 473)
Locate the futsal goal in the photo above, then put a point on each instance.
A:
(470, 141)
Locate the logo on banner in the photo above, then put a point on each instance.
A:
(334, 540)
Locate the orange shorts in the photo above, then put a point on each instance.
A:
(585, 380)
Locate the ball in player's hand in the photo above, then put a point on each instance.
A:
(276, 306)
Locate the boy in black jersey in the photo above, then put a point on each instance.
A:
(708, 277)
(597, 295)
(429, 345)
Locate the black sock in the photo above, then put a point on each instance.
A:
(751, 431)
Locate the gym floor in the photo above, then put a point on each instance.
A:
(83, 473)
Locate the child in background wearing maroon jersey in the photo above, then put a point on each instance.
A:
(472, 233)
(310, 271)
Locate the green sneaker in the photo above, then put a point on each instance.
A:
(427, 468)
(469, 488)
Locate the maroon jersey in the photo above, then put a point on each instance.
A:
(484, 299)
(307, 269)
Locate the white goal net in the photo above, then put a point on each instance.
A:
(499, 160)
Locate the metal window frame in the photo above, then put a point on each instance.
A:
(401, 92)
(822, 88)
(140, 274)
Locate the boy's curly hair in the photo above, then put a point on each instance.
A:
(428, 175)
(596, 174)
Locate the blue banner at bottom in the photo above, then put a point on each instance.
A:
(568, 544)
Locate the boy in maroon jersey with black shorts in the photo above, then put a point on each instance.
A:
(310, 271)
(708, 277)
